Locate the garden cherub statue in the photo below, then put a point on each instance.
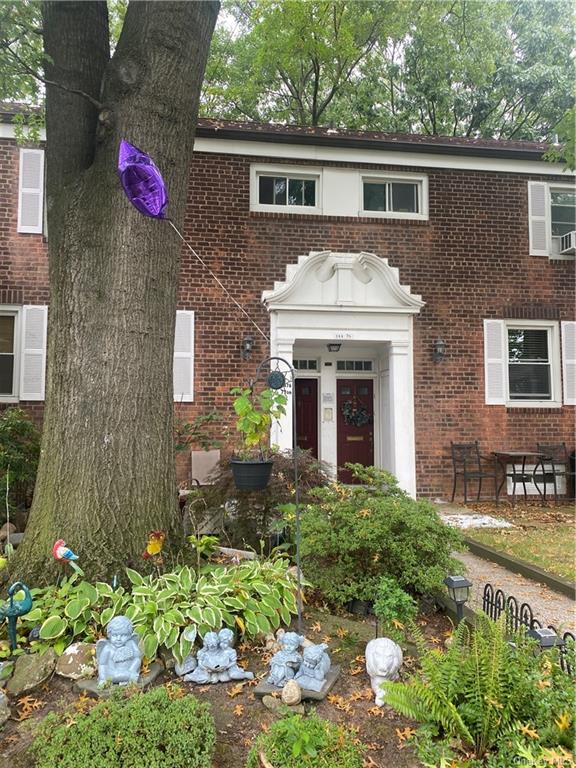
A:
(314, 668)
(225, 642)
(119, 656)
(217, 660)
(286, 662)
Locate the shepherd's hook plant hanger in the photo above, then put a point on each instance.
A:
(279, 374)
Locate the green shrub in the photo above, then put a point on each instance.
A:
(353, 535)
(487, 696)
(254, 513)
(19, 454)
(393, 607)
(162, 728)
(302, 742)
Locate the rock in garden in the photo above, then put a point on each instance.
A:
(383, 661)
(276, 706)
(31, 671)
(77, 661)
(188, 665)
(291, 693)
(7, 528)
(167, 658)
(6, 669)
(4, 708)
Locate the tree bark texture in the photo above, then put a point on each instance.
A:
(106, 474)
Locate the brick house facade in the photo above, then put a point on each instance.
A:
(291, 221)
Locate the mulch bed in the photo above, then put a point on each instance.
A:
(240, 717)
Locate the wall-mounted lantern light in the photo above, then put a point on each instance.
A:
(438, 350)
(246, 347)
(334, 347)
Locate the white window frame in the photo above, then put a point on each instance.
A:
(399, 178)
(15, 312)
(552, 249)
(554, 240)
(554, 361)
(289, 172)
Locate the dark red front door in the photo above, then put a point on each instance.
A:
(355, 424)
(307, 415)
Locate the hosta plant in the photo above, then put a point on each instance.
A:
(170, 610)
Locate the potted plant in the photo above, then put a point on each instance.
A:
(252, 464)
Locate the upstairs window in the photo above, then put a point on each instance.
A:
(395, 196)
(562, 211)
(286, 191)
(552, 219)
(400, 197)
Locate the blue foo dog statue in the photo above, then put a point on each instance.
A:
(119, 657)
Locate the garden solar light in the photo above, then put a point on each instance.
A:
(459, 591)
(546, 637)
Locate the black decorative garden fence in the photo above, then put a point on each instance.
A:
(495, 603)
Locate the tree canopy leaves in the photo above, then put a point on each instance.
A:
(498, 69)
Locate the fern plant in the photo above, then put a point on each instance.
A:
(478, 692)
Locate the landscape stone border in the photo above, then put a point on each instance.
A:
(557, 583)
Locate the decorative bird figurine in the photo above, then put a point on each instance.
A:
(14, 608)
(154, 545)
(64, 554)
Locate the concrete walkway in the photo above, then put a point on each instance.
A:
(548, 606)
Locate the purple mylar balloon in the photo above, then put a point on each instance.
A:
(142, 181)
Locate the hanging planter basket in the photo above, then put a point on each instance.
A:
(251, 475)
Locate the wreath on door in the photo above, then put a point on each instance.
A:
(355, 413)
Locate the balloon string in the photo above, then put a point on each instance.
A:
(207, 268)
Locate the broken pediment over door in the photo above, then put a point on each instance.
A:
(329, 280)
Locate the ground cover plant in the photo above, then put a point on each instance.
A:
(163, 728)
(167, 610)
(300, 742)
(542, 534)
(487, 698)
(353, 535)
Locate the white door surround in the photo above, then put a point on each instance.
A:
(355, 299)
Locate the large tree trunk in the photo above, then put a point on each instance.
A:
(106, 474)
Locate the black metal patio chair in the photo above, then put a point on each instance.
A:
(471, 466)
(556, 466)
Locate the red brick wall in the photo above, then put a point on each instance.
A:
(469, 262)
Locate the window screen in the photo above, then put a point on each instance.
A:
(529, 364)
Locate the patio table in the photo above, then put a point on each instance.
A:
(519, 474)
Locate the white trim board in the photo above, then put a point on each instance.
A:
(317, 154)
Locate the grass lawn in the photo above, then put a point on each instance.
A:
(543, 535)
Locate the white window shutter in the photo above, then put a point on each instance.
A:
(33, 352)
(539, 217)
(569, 361)
(495, 362)
(184, 357)
(31, 191)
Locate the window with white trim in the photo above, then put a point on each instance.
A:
(552, 219)
(338, 191)
(8, 354)
(404, 196)
(285, 189)
(23, 334)
(522, 363)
